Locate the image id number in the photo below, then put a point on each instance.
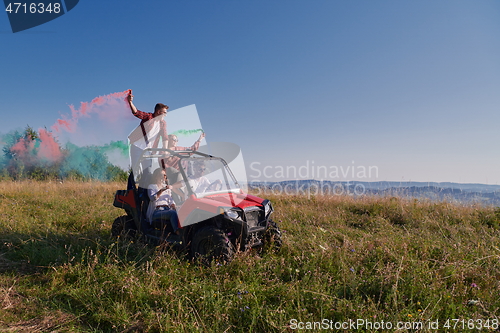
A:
(33, 8)
(462, 324)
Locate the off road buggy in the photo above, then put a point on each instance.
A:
(214, 223)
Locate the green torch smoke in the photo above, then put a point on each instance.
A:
(120, 146)
(184, 132)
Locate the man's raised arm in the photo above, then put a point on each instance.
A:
(130, 98)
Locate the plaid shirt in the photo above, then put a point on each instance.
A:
(140, 133)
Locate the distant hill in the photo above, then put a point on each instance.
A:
(453, 192)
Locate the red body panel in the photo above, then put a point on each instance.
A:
(127, 199)
(212, 203)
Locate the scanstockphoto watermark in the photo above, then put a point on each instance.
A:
(358, 324)
(310, 170)
(311, 179)
(418, 325)
(308, 188)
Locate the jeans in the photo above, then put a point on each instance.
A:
(164, 214)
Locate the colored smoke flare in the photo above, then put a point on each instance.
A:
(37, 155)
(22, 148)
(184, 132)
(30, 150)
(88, 108)
(75, 143)
(83, 142)
(120, 146)
(49, 149)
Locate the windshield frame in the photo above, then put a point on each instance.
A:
(226, 172)
(183, 155)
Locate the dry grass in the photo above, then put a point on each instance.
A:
(343, 258)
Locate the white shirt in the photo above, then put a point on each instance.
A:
(165, 199)
(200, 184)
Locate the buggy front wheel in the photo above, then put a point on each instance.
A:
(272, 238)
(211, 244)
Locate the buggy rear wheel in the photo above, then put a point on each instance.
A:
(211, 244)
(123, 226)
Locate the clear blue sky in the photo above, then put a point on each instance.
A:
(411, 87)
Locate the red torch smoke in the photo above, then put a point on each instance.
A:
(49, 149)
(22, 147)
(86, 108)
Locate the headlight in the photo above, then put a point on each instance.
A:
(268, 208)
(230, 212)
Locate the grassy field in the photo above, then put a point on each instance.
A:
(380, 260)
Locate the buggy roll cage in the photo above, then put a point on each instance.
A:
(183, 154)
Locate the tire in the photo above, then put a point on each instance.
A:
(211, 244)
(272, 239)
(123, 226)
